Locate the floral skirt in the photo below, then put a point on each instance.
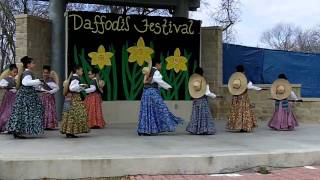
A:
(154, 116)
(283, 118)
(201, 118)
(6, 108)
(50, 116)
(74, 120)
(93, 105)
(241, 115)
(27, 113)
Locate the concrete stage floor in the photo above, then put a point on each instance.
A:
(118, 151)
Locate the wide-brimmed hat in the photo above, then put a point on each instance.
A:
(145, 70)
(237, 83)
(280, 89)
(197, 86)
(66, 85)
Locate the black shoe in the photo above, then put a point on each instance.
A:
(17, 136)
(144, 134)
(71, 136)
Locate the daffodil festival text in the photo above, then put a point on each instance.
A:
(100, 24)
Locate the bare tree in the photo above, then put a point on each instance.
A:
(227, 14)
(291, 38)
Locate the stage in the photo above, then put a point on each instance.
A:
(118, 151)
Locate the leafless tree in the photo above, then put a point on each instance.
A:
(291, 38)
(226, 15)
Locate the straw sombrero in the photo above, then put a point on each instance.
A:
(280, 89)
(197, 86)
(66, 85)
(237, 83)
(19, 76)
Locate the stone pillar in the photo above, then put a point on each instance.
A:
(57, 9)
(33, 38)
(182, 9)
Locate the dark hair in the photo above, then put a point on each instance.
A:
(46, 67)
(95, 71)
(240, 68)
(26, 60)
(156, 61)
(199, 71)
(12, 66)
(282, 76)
(75, 68)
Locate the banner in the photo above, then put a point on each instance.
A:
(121, 45)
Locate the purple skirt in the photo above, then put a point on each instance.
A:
(50, 117)
(6, 108)
(283, 118)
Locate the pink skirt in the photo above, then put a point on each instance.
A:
(283, 118)
(6, 108)
(50, 117)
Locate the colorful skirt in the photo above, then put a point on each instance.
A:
(6, 108)
(154, 116)
(50, 116)
(201, 118)
(283, 117)
(93, 105)
(27, 113)
(74, 120)
(241, 115)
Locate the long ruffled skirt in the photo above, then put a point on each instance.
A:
(283, 118)
(27, 113)
(93, 105)
(154, 116)
(201, 118)
(241, 115)
(6, 108)
(50, 117)
(74, 120)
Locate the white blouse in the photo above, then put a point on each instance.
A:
(75, 86)
(91, 89)
(209, 93)
(28, 81)
(251, 86)
(54, 87)
(5, 83)
(157, 78)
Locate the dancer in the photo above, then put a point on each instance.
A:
(93, 101)
(27, 112)
(241, 116)
(7, 82)
(74, 120)
(154, 116)
(49, 88)
(283, 117)
(201, 122)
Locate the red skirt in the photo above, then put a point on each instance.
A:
(93, 105)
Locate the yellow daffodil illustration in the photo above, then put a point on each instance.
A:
(140, 53)
(177, 62)
(101, 58)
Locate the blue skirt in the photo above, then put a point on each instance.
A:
(201, 119)
(154, 116)
(27, 113)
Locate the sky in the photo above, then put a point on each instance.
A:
(257, 16)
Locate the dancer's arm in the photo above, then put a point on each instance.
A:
(294, 96)
(209, 93)
(28, 81)
(75, 86)
(4, 83)
(54, 87)
(251, 86)
(91, 89)
(157, 77)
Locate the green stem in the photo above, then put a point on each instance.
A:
(124, 68)
(114, 74)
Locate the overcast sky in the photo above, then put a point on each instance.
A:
(259, 15)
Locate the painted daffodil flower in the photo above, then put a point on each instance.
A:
(101, 58)
(140, 53)
(177, 62)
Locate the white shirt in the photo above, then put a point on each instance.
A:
(209, 93)
(75, 86)
(5, 83)
(92, 88)
(157, 78)
(28, 81)
(251, 86)
(54, 87)
(294, 96)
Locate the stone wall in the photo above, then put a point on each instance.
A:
(33, 35)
